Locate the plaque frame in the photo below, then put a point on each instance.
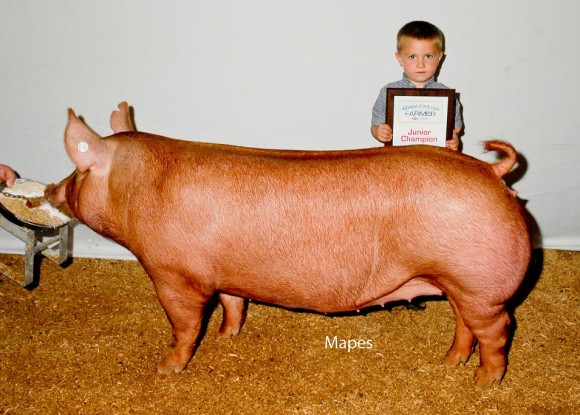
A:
(415, 95)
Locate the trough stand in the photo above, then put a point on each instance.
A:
(54, 244)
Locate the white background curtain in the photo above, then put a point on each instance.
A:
(289, 74)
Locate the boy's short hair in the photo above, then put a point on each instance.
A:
(421, 30)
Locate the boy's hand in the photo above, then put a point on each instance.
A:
(382, 132)
(7, 174)
(453, 144)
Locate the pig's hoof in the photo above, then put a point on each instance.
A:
(168, 370)
(485, 379)
(453, 358)
(228, 332)
(169, 366)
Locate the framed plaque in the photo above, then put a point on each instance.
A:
(420, 116)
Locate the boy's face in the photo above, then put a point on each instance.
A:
(419, 58)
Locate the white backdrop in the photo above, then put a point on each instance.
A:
(280, 74)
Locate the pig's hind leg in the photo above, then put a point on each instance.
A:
(493, 336)
(490, 326)
(234, 314)
(463, 341)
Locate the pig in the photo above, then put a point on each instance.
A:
(327, 231)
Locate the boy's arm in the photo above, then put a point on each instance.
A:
(453, 144)
(382, 132)
(379, 130)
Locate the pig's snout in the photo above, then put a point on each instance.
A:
(51, 195)
(55, 194)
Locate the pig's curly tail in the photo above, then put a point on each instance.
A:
(508, 154)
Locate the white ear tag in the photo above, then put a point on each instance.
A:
(82, 147)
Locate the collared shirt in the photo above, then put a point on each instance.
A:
(380, 107)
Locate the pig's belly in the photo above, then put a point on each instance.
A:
(330, 301)
(408, 291)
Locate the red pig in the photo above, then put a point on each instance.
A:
(329, 231)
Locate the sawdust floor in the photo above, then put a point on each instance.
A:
(88, 339)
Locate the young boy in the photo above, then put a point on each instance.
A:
(7, 174)
(420, 49)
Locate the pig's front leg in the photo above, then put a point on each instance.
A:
(234, 314)
(185, 309)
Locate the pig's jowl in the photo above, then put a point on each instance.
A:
(329, 231)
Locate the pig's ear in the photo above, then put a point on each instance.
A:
(121, 120)
(82, 144)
